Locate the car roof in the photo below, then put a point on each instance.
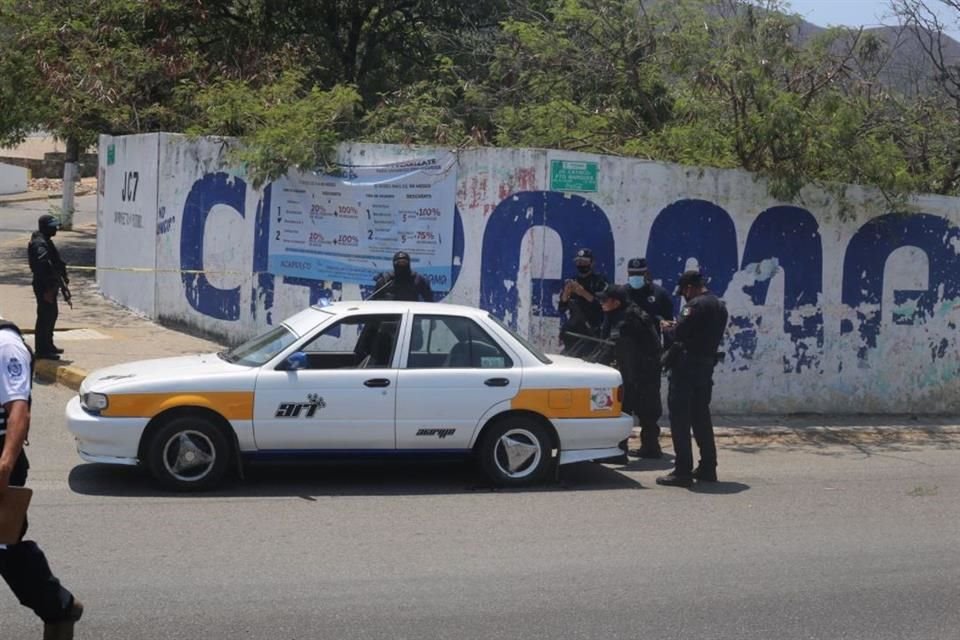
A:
(397, 306)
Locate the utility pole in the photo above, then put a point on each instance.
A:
(70, 169)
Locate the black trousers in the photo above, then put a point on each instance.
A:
(47, 313)
(688, 398)
(25, 568)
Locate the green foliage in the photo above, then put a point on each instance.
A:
(703, 82)
(282, 125)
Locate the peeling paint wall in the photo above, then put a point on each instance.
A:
(829, 313)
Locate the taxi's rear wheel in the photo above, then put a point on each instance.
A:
(515, 452)
(189, 453)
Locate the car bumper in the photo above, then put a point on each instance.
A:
(584, 434)
(104, 440)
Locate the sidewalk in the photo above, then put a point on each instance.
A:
(96, 333)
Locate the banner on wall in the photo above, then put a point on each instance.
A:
(346, 228)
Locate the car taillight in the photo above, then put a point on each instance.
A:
(620, 394)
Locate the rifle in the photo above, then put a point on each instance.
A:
(386, 285)
(65, 290)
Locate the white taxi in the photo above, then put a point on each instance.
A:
(355, 378)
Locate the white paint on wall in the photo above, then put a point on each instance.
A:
(13, 179)
(911, 369)
(127, 221)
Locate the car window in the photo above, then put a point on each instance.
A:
(261, 349)
(529, 346)
(357, 342)
(446, 342)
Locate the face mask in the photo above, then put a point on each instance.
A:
(636, 282)
(401, 270)
(583, 269)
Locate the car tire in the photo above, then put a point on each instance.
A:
(516, 452)
(189, 453)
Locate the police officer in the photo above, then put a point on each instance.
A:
(644, 292)
(691, 359)
(403, 283)
(655, 300)
(23, 565)
(48, 269)
(578, 300)
(636, 352)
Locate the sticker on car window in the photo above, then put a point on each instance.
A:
(492, 362)
(601, 399)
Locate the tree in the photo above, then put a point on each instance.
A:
(85, 67)
(933, 142)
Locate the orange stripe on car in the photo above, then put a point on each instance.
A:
(232, 405)
(568, 403)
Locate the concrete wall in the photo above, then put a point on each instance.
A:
(13, 179)
(832, 310)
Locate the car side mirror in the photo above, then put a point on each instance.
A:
(296, 361)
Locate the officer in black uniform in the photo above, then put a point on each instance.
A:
(636, 354)
(48, 269)
(23, 565)
(578, 300)
(403, 283)
(690, 360)
(655, 300)
(644, 292)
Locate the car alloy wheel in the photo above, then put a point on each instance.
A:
(517, 454)
(515, 451)
(189, 453)
(189, 456)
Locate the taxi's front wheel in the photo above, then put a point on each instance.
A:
(189, 453)
(515, 452)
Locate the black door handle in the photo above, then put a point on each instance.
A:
(377, 382)
(496, 382)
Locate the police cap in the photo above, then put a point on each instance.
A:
(693, 278)
(584, 254)
(47, 221)
(637, 266)
(614, 292)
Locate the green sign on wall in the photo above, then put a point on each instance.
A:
(573, 175)
(111, 154)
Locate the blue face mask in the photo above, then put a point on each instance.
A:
(636, 282)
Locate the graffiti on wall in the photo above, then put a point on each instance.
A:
(782, 240)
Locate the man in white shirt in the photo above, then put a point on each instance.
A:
(23, 565)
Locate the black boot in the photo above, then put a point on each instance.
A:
(674, 480)
(649, 452)
(705, 474)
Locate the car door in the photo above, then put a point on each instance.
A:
(344, 399)
(453, 373)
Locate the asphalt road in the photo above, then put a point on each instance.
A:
(816, 541)
(19, 218)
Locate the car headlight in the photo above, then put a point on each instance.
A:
(94, 401)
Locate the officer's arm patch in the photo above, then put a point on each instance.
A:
(686, 312)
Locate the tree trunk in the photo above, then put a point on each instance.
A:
(70, 172)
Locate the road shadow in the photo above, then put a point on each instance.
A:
(719, 488)
(335, 478)
(650, 464)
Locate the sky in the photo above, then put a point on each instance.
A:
(855, 13)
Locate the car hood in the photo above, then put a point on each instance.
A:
(146, 373)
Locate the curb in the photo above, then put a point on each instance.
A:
(55, 373)
(28, 197)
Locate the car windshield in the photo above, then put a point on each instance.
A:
(537, 353)
(260, 350)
